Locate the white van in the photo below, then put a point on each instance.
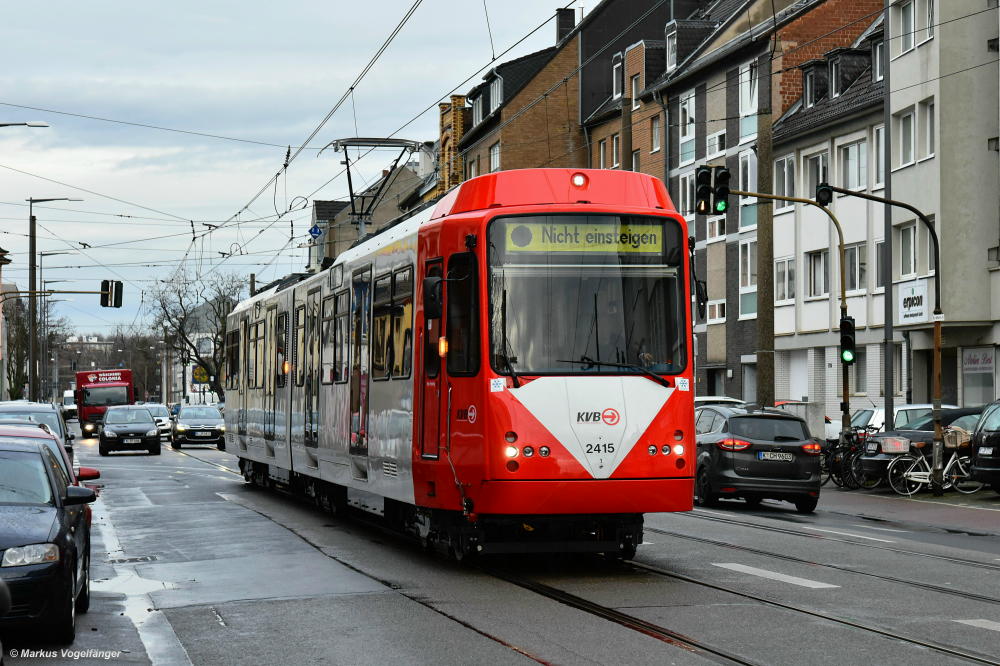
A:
(68, 405)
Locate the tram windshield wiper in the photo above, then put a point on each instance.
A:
(506, 357)
(590, 363)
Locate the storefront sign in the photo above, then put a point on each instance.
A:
(978, 360)
(913, 305)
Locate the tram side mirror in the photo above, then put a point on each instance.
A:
(432, 297)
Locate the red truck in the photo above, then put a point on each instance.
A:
(96, 390)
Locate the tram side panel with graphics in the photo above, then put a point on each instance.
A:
(509, 370)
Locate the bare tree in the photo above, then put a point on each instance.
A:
(18, 338)
(192, 314)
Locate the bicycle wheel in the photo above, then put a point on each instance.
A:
(847, 470)
(824, 468)
(959, 474)
(899, 474)
(865, 480)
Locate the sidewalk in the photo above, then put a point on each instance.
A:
(978, 513)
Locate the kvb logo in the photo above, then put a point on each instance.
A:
(609, 416)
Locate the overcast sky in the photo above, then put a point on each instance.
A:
(264, 72)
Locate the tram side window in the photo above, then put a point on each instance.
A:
(232, 359)
(298, 346)
(463, 321)
(402, 322)
(382, 314)
(251, 347)
(259, 373)
(328, 361)
(432, 361)
(341, 346)
(281, 335)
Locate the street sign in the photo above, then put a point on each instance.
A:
(199, 375)
(315, 231)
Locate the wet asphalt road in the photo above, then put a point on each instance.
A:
(190, 565)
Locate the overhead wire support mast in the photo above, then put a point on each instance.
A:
(362, 215)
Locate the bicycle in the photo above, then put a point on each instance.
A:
(909, 473)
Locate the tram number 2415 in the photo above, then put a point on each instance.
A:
(601, 447)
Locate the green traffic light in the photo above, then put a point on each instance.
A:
(721, 206)
(847, 356)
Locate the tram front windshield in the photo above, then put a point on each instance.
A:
(586, 294)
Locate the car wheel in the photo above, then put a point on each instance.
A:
(83, 599)
(103, 450)
(221, 446)
(703, 495)
(155, 451)
(176, 445)
(64, 622)
(806, 504)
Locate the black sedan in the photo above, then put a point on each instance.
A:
(986, 447)
(44, 539)
(755, 455)
(883, 447)
(199, 424)
(129, 428)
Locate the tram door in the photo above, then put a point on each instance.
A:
(361, 309)
(267, 409)
(311, 407)
(430, 402)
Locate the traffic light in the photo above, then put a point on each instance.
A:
(703, 190)
(824, 194)
(721, 201)
(847, 354)
(111, 294)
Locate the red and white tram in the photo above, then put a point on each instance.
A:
(509, 370)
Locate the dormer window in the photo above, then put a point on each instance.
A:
(496, 93)
(616, 77)
(477, 110)
(671, 51)
(809, 88)
(835, 78)
(878, 53)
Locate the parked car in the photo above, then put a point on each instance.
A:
(917, 435)
(128, 428)
(755, 455)
(903, 414)
(702, 400)
(199, 424)
(986, 447)
(69, 405)
(42, 412)
(44, 434)
(161, 415)
(831, 428)
(45, 538)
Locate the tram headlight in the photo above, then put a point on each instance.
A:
(578, 180)
(678, 449)
(511, 451)
(665, 449)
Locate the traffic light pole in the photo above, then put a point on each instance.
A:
(845, 405)
(937, 467)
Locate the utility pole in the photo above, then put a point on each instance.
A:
(888, 345)
(765, 270)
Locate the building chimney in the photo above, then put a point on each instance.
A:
(565, 22)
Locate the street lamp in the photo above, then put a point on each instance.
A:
(4, 261)
(30, 123)
(32, 301)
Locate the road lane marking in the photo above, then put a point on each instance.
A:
(880, 529)
(773, 575)
(850, 534)
(982, 624)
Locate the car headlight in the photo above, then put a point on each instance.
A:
(222, 428)
(154, 431)
(181, 427)
(39, 553)
(110, 434)
(88, 426)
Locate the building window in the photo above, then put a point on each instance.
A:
(809, 87)
(615, 152)
(716, 144)
(716, 312)
(859, 371)
(878, 139)
(687, 128)
(877, 60)
(748, 100)
(879, 264)
(495, 157)
(671, 51)
(602, 153)
(784, 280)
(816, 171)
(477, 110)
(473, 168)
(927, 123)
(784, 180)
(635, 160)
(905, 26)
(816, 263)
(654, 133)
(748, 279)
(716, 227)
(748, 183)
(856, 263)
(908, 251)
(616, 78)
(854, 165)
(634, 83)
(905, 124)
(686, 187)
(496, 93)
(835, 78)
(930, 18)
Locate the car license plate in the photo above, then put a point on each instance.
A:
(872, 447)
(775, 455)
(202, 434)
(132, 441)
(985, 450)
